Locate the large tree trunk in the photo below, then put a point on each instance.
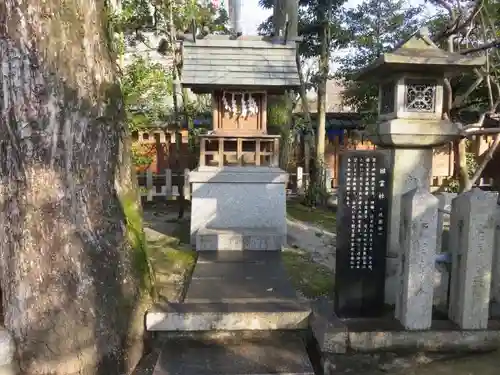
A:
(70, 277)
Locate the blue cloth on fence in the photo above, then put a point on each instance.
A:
(335, 132)
(443, 258)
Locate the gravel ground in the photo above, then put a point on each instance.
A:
(319, 242)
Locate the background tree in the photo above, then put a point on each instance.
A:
(467, 27)
(168, 19)
(140, 15)
(73, 266)
(471, 28)
(374, 27)
(319, 27)
(147, 90)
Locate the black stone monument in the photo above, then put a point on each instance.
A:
(361, 234)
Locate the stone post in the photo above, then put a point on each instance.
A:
(495, 282)
(472, 233)
(418, 231)
(412, 169)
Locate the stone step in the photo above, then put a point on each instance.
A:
(229, 316)
(282, 353)
(238, 257)
(240, 239)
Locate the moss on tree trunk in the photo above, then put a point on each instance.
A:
(74, 276)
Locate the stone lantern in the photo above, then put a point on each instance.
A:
(410, 122)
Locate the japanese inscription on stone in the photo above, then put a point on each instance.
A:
(365, 198)
(362, 232)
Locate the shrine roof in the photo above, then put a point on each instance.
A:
(219, 61)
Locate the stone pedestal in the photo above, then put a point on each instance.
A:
(238, 199)
(412, 168)
(471, 242)
(418, 223)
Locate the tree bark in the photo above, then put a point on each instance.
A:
(71, 251)
(323, 78)
(292, 12)
(463, 169)
(279, 15)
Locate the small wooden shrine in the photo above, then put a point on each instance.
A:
(239, 73)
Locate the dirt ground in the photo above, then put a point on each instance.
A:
(415, 364)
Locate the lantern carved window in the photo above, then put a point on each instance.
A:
(420, 96)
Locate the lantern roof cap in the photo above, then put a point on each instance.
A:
(419, 54)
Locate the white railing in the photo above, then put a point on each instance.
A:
(153, 185)
(297, 182)
(162, 185)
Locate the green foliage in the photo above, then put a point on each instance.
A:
(140, 159)
(146, 88)
(278, 113)
(138, 14)
(374, 27)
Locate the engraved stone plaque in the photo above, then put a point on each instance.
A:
(361, 233)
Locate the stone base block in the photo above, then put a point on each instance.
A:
(426, 341)
(242, 239)
(373, 335)
(192, 317)
(238, 197)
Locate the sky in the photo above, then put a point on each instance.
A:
(253, 15)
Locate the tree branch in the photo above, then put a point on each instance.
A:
(459, 100)
(455, 26)
(482, 166)
(494, 44)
